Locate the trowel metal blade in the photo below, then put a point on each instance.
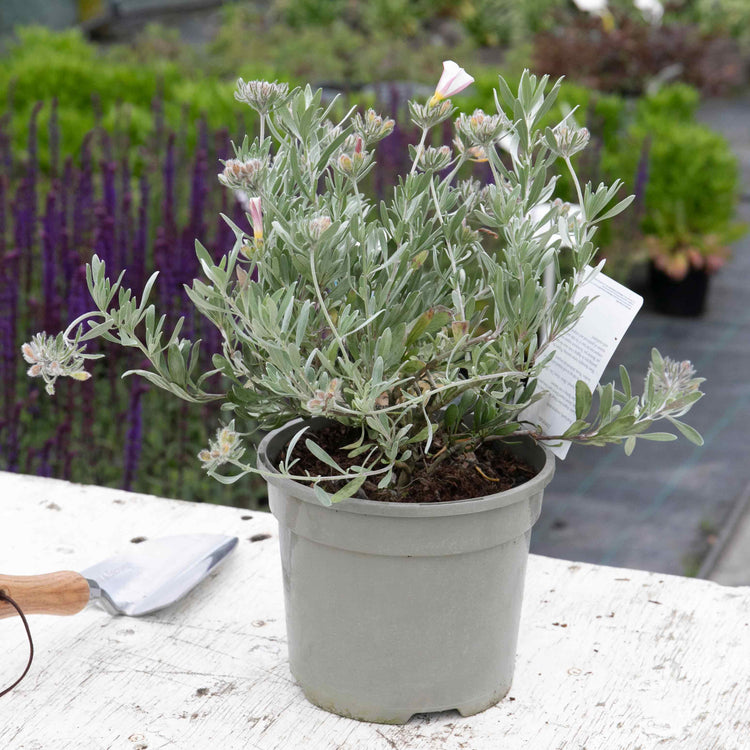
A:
(156, 572)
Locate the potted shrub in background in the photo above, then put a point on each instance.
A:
(691, 180)
(393, 350)
(680, 266)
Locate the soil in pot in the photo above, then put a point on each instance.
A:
(684, 298)
(488, 470)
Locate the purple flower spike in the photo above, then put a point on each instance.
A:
(54, 140)
(50, 241)
(138, 264)
(134, 436)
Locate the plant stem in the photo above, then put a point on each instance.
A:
(577, 183)
(321, 302)
(418, 153)
(460, 386)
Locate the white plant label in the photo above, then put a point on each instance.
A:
(582, 354)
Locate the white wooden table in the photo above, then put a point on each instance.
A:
(607, 658)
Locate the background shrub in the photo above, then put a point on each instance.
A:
(626, 58)
(135, 100)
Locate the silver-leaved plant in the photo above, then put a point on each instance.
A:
(398, 319)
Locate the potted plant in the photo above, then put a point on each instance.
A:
(393, 351)
(680, 266)
(689, 179)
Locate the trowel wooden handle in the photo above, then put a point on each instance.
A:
(62, 593)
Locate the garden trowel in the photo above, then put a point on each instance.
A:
(152, 575)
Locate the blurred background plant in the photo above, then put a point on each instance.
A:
(113, 147)
(346, 42)
(50, 223)
(108, 88)
(625, 52)
(727, 18)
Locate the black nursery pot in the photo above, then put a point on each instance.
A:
(684, 298)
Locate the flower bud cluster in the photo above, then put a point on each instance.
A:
(481, 129)
(372, 127)
(472, 153)
(245, 175)
(427, 116)
(674, 383)
(569, 140)
(317, 226)
(262, 96)
(434, 159)
(675, 376)
(321, 400)
(226, 447)
(53, 357)
(352, 160)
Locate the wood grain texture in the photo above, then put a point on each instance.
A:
(62, 593)
(608, 659)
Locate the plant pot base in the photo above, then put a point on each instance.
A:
(685, 298)
(380, 637)
(344, 706)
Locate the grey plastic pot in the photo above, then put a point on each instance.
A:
(394, 609)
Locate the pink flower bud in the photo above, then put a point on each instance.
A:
(256, 217)
(453, 80)
(28, 353)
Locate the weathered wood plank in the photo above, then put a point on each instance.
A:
(608, 658)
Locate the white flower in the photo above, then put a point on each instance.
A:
(595, 7)
(453, 80)
(652, 10)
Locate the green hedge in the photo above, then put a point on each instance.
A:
(91, 88)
